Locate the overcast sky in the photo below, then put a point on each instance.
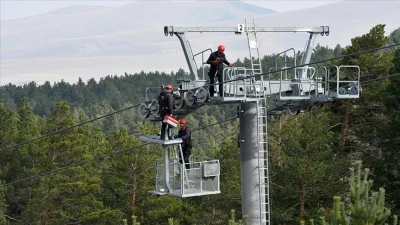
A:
(14, 9)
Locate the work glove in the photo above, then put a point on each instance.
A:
(176, 94)
(215, 62)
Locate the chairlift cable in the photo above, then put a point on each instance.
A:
(380, 78)
(55, 171)
(312, 63)
(89, 121)
(68, 128)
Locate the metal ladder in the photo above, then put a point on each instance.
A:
(263, 165)
(182, 169)
(253, 48)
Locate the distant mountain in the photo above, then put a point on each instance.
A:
(249, 7)
(86, 42)
(76, 9)
(80, 30)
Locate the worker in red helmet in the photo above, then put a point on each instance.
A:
(185, 134)
(216, 61)
(166, 103)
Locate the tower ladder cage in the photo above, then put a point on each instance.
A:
(263, 163)
(254, 52)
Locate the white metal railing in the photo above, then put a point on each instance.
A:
(293, 84)
(202, 178)
(202, 60)
(343, 82)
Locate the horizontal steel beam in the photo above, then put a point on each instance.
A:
(171, 29)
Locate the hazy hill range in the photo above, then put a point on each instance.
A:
(86, 42)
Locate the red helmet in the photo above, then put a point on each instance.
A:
(182, 121)
(169, 86)
(221, 48)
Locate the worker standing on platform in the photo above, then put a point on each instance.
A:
(166, 102)
(186, 136)
(216, 61)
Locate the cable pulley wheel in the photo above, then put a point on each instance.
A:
(190, 98)
(178, 102)
(144, 110)
(202, 95)
(154, 107)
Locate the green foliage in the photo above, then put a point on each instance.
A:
(102, 217)
(232, 221)
(371, 64)
(113, 91)
(134, 221)
(305, 172)
(158, 209)
(106, 189)
(394, 37)
(377, 145)
(363, 206)
(229, 156)
(24, 159)
(8, 130)
(3, 205)
(71, 195)
(387, 174)
(366, 208)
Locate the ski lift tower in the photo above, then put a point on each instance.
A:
(286, 87)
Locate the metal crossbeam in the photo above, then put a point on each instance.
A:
(324, 30)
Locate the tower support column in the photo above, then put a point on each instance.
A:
(249, 150)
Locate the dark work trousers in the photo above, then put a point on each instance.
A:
(165, 129)
(186, 154)
(220, 84)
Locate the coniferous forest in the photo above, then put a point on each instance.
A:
(58, 168)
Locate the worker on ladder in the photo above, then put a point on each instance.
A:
(166, 102)
(216, 61)
(186, 136)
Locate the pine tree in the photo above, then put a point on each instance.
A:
(302, 156)
(387, 174)
(70, 195)
(358, 121)
(362, 206)
(24, 160)
(2, 204)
